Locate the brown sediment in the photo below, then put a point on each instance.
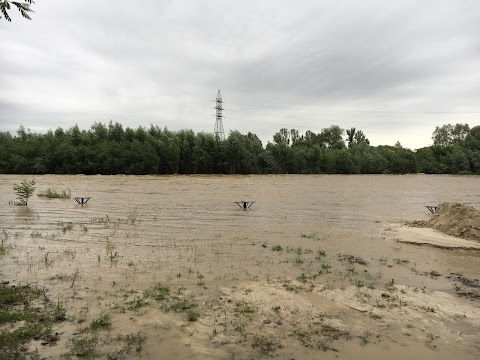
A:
(454, 219)
(430, 237)
(335, 285)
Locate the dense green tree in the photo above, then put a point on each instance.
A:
(450, 135)
(332, 137)
(110, 149)
(282, 137)
(472, 140)
(355, 137)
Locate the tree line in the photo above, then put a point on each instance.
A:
(112, 149)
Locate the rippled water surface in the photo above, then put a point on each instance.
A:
(141, 229)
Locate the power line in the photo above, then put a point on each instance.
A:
(359, 111)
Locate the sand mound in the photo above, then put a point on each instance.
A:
(454, 219)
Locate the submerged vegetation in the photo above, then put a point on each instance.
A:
(111, 149)
(30, 316)
(24, 191)
(51, 193)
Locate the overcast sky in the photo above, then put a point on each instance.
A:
(394, 69)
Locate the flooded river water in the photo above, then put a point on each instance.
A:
(187, 232)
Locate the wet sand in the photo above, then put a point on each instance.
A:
(430, 237)
(305, 273)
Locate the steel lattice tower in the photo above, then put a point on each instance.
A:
(219, 134)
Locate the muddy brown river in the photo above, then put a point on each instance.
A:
(309, 271)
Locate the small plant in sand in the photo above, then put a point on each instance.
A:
(320, 254)
(132, 217)
(3, 240)
(159, 292)
(133, 340)
(457, 287)
(136, 304)
(180, 305)
(104, 322)
(390, 285)
(83, 347)
(24, 191)
(401, 261)
(309, 236)
(65, 226)
(192, 315)
(276, 309)
(277, 248)
(52, 193)
(302, 278)
(383, 260)
(266, 346)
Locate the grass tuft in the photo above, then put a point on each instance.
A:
(51, 193)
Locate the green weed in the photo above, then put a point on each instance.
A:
(277, 248)
(51, 193)
(103, 322)
(159, 292)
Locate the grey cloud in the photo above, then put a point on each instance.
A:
(79, 57)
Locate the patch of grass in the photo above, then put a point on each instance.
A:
(14, 316)
(244, 308)
(276, 309)
(326, 267)
(266, 346)
(100, 220)
(371, 286)
(27, 322)
(132, 217)
(10, 295)
(359, 283)
(240, 328)
(66, 226)
(320, 254)
(135, 340)
(401, 261)
(158, 292)
(390, 285)
(3, 247)
(364, 339)
(322, 345)
(333, 332)
(302, 278)
(51, 193)
(83, 347)
(179, 306)
(291, 287)
(192, 315)
(103, 322)
(298, 261)
(12, 341)
(277, 248)
(136, 304)
(309, 236)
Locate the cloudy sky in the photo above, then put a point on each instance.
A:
(395, 69)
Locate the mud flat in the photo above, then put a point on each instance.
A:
(431, 237)
(170, 267)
